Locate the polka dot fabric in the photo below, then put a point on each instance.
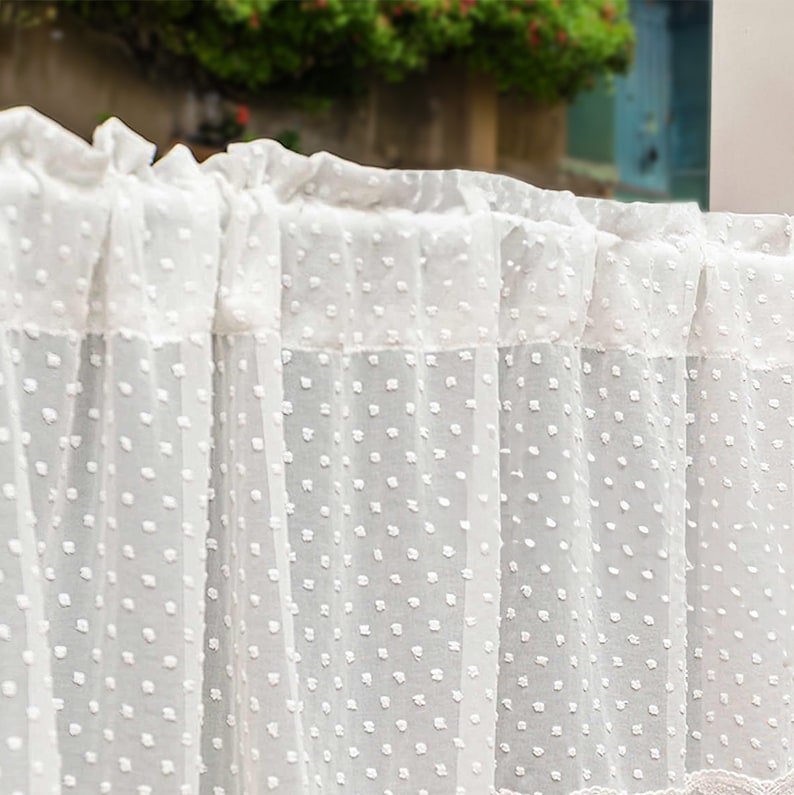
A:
(318, 478)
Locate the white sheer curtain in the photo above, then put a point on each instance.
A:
(318, 478)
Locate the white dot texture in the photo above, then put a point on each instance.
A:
(318, 478)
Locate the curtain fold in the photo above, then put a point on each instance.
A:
(319, 478)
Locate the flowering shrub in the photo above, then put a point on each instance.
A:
(228, 126)
(549, 49)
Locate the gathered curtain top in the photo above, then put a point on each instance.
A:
(317, 477)
(328, 253)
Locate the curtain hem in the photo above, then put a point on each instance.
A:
(702, 782)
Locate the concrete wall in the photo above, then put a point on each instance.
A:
(752, 149)
(74, 77)
(444, 120)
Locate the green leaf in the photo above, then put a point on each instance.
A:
(327, 49)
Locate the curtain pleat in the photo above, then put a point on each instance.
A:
(317, 477)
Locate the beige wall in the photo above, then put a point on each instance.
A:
(752, 106)
(74, 78)
(445, 121)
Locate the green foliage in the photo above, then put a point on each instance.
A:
(290, 139)
(21, 14)
(322, 49)
(229, 126)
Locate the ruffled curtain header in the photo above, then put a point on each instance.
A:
(332, 254)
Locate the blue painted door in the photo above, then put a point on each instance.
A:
(691, 95)
(642, 146)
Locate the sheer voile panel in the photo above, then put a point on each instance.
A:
(319, 478)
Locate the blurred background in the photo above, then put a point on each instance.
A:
(602, 97)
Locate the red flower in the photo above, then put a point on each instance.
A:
(242, 115)
(562, 36)
(465, 5)
(253, 20)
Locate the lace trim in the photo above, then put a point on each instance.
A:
(703, 782)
